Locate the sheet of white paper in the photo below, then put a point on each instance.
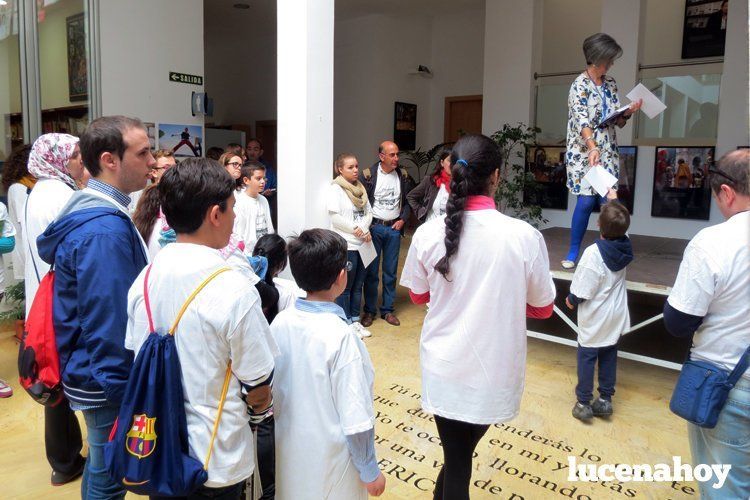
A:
(652, 106)
(367, 252)
(600, 179)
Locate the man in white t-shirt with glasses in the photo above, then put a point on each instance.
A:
(711, 299)
(387, 195)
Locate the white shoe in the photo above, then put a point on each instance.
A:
(360, 330)
(5, 390)
(568, 264)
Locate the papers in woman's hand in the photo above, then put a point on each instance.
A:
(651, 105)
(600, 179)
(367, 252)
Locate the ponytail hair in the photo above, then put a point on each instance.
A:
(147, 211)
(272, 247)
(474, 159)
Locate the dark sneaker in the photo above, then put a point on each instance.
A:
(58, 478)
(602, 408)
(583, 412)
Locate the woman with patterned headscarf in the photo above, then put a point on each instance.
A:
(55, 161)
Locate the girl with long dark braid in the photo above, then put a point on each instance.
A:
(483, 273)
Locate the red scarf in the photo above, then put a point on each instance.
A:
(443, 179)
(479, 203)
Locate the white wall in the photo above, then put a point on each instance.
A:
(372, 60)
(565, 25)
(662, 34)
(138, 52)
(240, 59)
(457, 63)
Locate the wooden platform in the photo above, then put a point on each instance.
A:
(654, 267)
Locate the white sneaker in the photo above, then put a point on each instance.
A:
(360, 330)
(5, 390)
(568, 264)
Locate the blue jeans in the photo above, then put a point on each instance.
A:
(96, 483)
(350, 299)
(387, 242)
(727, 443)
(587, 357)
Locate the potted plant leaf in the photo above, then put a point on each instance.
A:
(15, 297)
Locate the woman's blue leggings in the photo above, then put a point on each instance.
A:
(584, 206)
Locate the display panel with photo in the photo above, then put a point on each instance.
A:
(77, 65)
(626, 181)
(405, 126)
(182, 140)
(547, 165)
(681, 187)
(705, 29)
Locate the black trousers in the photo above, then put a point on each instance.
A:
(62, 438)
(267, 458)
(459, 441)
(233, 492)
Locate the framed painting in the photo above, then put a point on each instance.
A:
(681, 189)
(77, 64)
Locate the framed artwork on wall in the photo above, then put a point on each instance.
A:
(405, 126)
(77, 64)
(182, 140)
(547, 165)
(681, 189)
(704, 30)
(626, 181)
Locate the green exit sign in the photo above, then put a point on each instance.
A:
(185, 78)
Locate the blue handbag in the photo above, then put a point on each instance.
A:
(702, 390)
(148, 450)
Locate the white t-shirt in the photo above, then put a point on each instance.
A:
(386, 204)
(46, 200)
(289, 292)
(323, 386)
(134, 197)
(253, 219)
(224, 322)
(438, 207)
(17, 195)
(714, 282)
(339, 203)
(8, 229)
(473, 346)
(604, 316)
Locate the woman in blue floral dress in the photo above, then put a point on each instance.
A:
(593, 95)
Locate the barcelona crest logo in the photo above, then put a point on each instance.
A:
(140, 441)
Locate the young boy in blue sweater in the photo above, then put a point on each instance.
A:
(598, 289)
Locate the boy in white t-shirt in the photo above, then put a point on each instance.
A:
(598, 289)
(325, 439)
(252, 209)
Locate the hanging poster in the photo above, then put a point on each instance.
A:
(681, 187)
(182, 140)
(405, 126)
(705, 28)
(77, 68)
(547, 165)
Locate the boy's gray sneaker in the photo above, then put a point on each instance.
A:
(602, 408)
(583, 412)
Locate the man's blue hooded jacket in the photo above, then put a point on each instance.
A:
(97, 254)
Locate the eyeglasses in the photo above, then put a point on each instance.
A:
(234, 164)
(349, 266)
(712, 170)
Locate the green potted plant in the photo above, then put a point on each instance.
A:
(423, 160)
(15, 297)
(513, 141)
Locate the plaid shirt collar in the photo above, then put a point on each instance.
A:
(110, 191)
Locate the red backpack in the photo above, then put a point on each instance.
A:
(38, 362)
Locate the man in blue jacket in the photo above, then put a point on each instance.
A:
(97, 254)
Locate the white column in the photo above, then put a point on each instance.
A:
(511, 50)
(305, 112)
(734, 127)
(621, 20)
